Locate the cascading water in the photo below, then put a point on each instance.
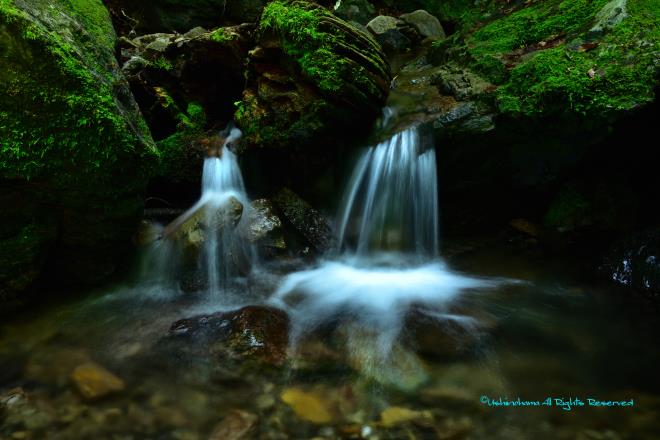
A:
(393, 195)
(388, 264)
(209, 226)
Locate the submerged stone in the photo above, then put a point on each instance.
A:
(236, 426)
(93, 381)
(308, 406)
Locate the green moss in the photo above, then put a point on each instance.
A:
(174, 148)
(222, 35)
(619, 74)
(321, 50)
(58, 94)
(163, 64)
(542, 21)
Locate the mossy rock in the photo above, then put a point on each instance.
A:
(72, 138)
(313, 76)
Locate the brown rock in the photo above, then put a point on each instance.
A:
(93, 381)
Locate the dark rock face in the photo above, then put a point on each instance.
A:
(307, 221)
(76, 151)
(253, 333)
(312, 77)
(635, 262)
(359, 11)
(147, 16)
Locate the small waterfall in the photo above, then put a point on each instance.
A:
(389, 265)
(221, 181)
(203, 242)
(393, 196)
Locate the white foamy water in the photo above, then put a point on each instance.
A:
(389, 263)
(222, 249)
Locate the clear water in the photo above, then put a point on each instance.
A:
(386, 341)
(553, 335)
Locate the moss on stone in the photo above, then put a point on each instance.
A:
(61, 111)
(175, 148)
(619, 74)
(321, 50)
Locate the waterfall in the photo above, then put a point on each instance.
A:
(393, 195)
(222, 180)
(203, 241)
(389, 265)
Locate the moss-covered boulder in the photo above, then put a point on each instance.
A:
(75, 149)
(312, 79)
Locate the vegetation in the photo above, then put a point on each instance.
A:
(307, 35)
(60, 115)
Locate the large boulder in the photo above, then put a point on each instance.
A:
(75, 150)
(312, 77)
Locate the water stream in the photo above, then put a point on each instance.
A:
(389, 338)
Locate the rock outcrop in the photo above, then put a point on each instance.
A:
(76, 151)
(311, 77)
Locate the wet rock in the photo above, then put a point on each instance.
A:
(263, 227)
(305, 220)
(251, 333)
(308, 406)
(191, 229)
(236, 426)
(635, 262)
(359, 11)
(93, 381)
(424, 23)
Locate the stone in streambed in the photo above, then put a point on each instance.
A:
(236, 426)
(396, 415)
(251, 333)
(308, 406)
(93, 381)
(263, 227)
(306, 220)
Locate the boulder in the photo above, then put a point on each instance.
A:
(382, 24)
(263, 227)
(191, 228)
(426, 25)
(307, 221)
(76, 152)
(237, 425)
(311, 77)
